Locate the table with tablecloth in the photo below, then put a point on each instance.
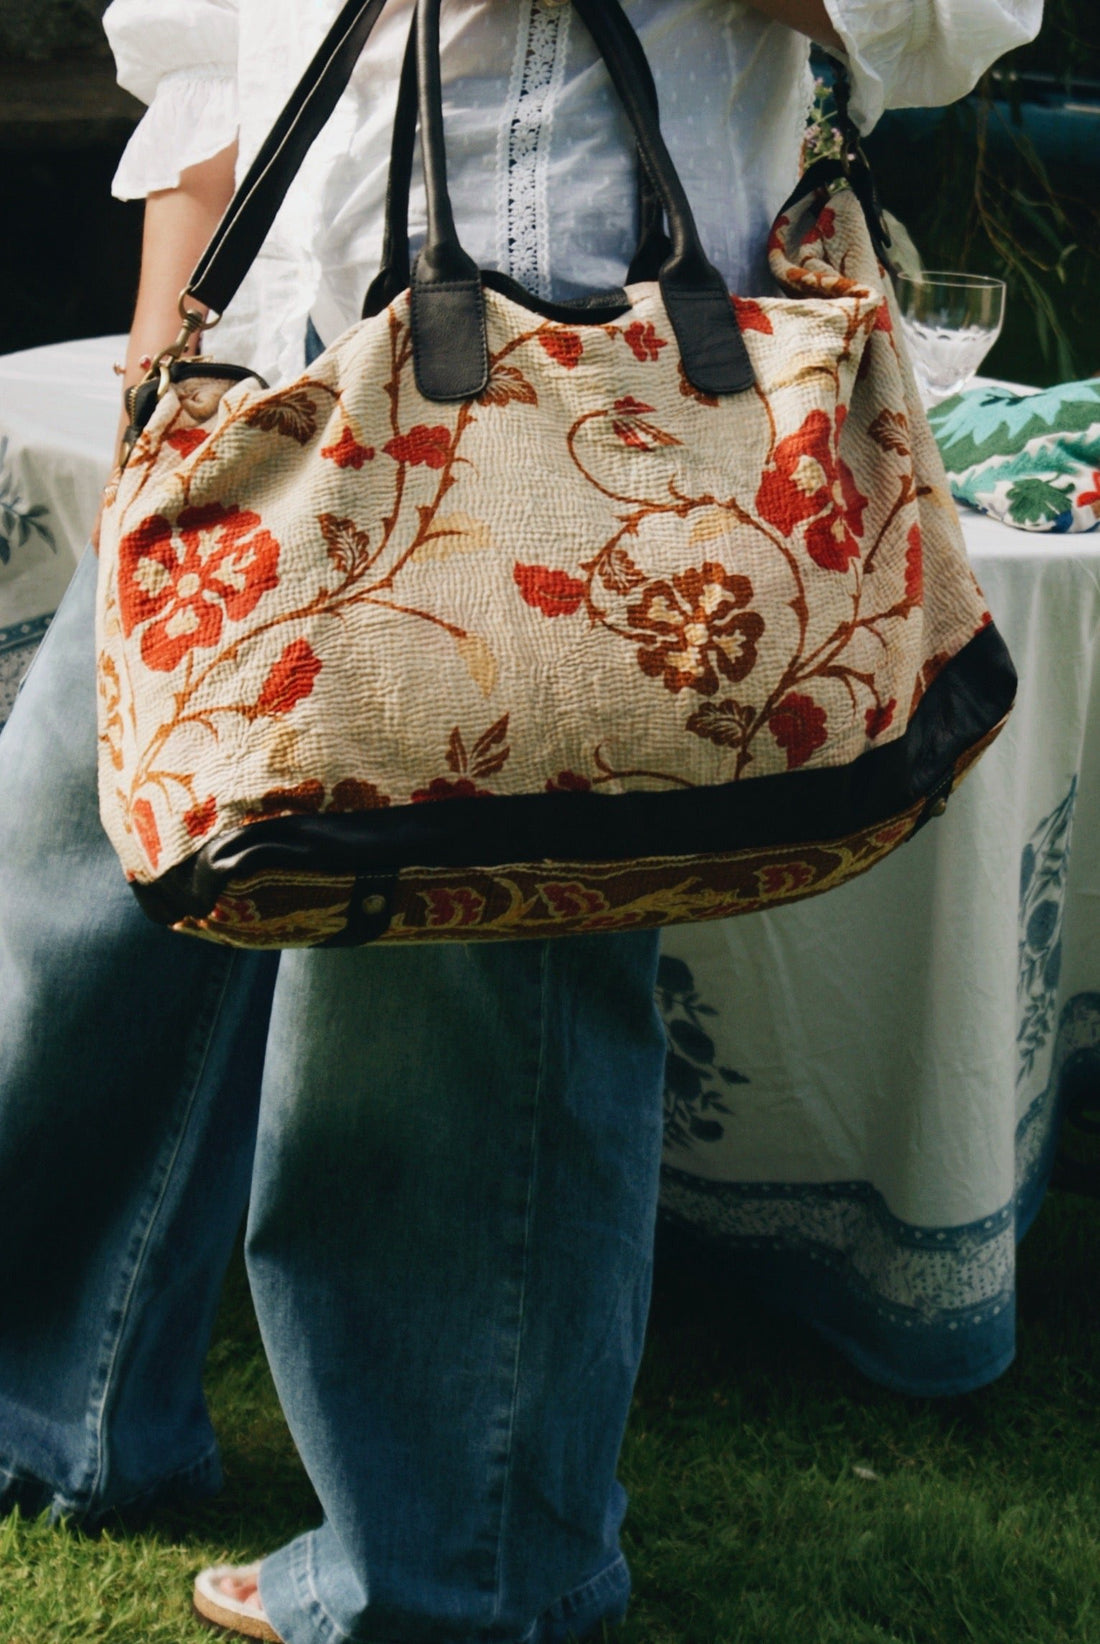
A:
(865, 1091)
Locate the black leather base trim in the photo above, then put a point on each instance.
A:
(965, 701)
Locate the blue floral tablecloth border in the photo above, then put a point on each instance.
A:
(923, 1310)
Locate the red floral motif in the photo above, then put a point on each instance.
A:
(441, 787)
(568, 782)
(808, 481)
(450, 908)
(145, 826)
(914, 567)
(775, 234)
(1091, 499)
(695, 628)
(431, 446)
(569, 900)
(201, 818)
(880, 718)
(883, 321)
(784, 878)
(554, 593)
(347, 452)
(824, 228)
(186, 440)
(643, 340)
(798, 725)
(750, 315)
(565, 347)
(217, 563)
(290, 680)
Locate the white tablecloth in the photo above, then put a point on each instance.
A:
(59, 410)
(864, 1091)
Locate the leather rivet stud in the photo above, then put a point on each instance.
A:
(939, 807)
(374, 905)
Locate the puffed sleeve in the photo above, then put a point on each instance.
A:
(920, 53)
(180, 57)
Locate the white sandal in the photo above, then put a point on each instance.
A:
(219, 1608)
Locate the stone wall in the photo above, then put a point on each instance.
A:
(43, 28)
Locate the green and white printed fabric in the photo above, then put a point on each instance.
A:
(1031, 460)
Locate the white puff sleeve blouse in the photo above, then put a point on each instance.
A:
(540, 159)
(180, 57)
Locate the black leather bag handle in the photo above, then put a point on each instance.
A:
(394, 273)
(450, 351)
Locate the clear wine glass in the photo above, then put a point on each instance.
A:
(950, 321)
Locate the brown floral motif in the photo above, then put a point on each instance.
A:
(507, 385)
(304, 799)
(799, 726)
(728, 723)
(290, 680)
(632, 428)
(565, 347)
(348, 546)
(568, 782)
(808, 483)
(441, 787)
(292, 413)
(643, 340)
(889, 430)
(352, 794)
(421, 445)
(695, 628)
(347, 451)
(880, 718)
(185, 581)
(489, 754)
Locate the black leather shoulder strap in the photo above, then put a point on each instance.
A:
(252, 210)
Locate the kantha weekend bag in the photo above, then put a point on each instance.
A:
(510, 618)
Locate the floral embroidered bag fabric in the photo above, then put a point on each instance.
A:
(512, 619)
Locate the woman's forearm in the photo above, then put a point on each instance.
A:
(178, 223)
(807, 16)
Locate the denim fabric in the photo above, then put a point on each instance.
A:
(450, 1230)
(129, 1084)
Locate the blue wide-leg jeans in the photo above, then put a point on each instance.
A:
(451, 1154)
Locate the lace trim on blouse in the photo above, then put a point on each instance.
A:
(525, 143)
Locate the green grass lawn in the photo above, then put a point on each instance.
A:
(749, 1519)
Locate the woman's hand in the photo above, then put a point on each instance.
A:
(178, 224)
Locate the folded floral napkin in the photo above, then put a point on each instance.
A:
(1031, 460)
